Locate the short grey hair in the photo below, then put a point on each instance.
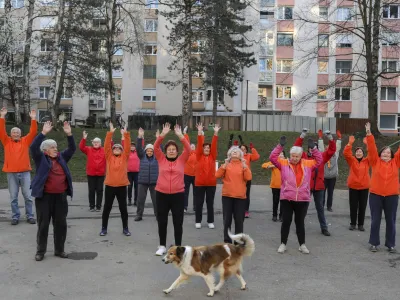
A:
(46, 144)
(296, 150)
(96, 139)
(16, 129)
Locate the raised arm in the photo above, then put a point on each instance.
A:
(247, 174)
(274, 157)
(82, 144)
(67, 153)
(108, 141)
(338, 141)
(186, 145)
(372, 149)
(317, 155)
(37, 155)
(327, 155)
(230, 141)
(127, 141)
(200, 141)
(348, 152)
(221, 171)
(3, 132)
(214, 142)
(157, 150)
(254, 154)
(140, 143)
(33, 129)
(299, 141)
(397, 157)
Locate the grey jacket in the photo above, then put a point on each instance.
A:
(148, 172)
(331, 171)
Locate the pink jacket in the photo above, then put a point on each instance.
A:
(133, 161)
(171, 173)
(289, 189)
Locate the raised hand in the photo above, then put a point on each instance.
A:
(216, 129)
(320, 134)
(365, 141)
(304, 133)
(351, 140)
(328, 134)
(282, 141)
(141, 133)
(124, 130)
(311, 144)
(185, 130)
(338, 134)
(47, 127)
(67, 128)
(32, 114)
(368, 128)
(200, 128)
(84, 134)
(178, 131)
(112, 128)
(166, 129)
(157, 133)
(3, 112)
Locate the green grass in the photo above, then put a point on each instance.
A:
(264, 142)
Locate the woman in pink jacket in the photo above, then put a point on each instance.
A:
(133, 171)
(295, 189)
(170, 188)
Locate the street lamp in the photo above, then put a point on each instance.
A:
(247, 102)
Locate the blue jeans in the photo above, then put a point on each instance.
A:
(15, 180)
(319, 206)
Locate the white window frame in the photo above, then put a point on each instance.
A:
(324, 90)
(325, 41)
(97, 22)
(18, 70)
(327, 67)
(341, 16)
(45, 90)
(47, 22)
(209, 95)
(281, 12)
(284, 34)
(284, 87)
(395, 122)
(386, 11)
(153, 49)
(341, 93)
(198, 74)
(265, 64)
(151, 4)
(153, 24)
(152, 93)
(344, 41)
(17, 3)
(116, 94)
(196, 95)
(341, 69)
(117, 73)
(280, 66)
(323, 16)
(46, 46)
(386, 89)
(387, 69)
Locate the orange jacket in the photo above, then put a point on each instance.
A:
(117, 166)
(234, 179)
(190, 166)
(359, 170)
(275, 176)
(205, 170)
(385, 175)
(253, 156)
(16, 154)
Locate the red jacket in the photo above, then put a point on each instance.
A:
(133, 161)
(96, 159)
(205, 171)
(317, 178)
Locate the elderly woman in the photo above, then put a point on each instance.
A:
(170, 188)
(295, 188)
(235, 174)
(384, 191)
(50, 187)
(95, 170)
(358, 183)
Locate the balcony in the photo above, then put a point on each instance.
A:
(266, 77)
(97, 104)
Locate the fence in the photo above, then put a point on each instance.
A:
(351, 126)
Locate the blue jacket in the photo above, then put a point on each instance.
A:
(43, 165)
(148, 172)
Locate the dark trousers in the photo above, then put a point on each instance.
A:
(319, 206)
(189, 180)
(209, 193)
(329, 188)
(358, 200)
(233, 207)
(51, 207)
(175, 204)
(389, 206)
(299, 208)
(248, 187)
(133, 182)
(143, 188)
(276, 193)
(95, 184)
(110, 193)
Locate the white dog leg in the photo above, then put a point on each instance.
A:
(182, 278)
(209, 279)
(221, 279)
(242, 282)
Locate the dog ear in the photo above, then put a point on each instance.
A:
(180, 251)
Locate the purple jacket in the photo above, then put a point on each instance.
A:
(289, 189)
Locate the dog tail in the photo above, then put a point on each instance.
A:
(245, 242)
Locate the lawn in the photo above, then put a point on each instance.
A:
(263, 142)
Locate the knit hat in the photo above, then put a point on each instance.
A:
(117, 146)
(149, 146)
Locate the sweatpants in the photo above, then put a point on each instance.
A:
(233, 207)
(389, 205)
(248, 187)
(95, 184)
(175, 204)
(209, 193)
(51, 207)
(358, 200)
(142, 195)
(276, 193)
(329, 188)
(189, 180)
(299, 208)
(110, 193)
(133, 182)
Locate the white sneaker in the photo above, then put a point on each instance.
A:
(198, 225)
(303, 249)
(282, 248)
(211, 225)
(161, 251)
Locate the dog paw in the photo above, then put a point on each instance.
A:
(167, 291)
(210, 294)
(243, 288)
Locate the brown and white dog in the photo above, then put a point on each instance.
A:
(226, 259)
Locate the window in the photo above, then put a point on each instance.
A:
(19, 47)
(323, 12)
(390, 38)
(97, 23)
(388, 121)
(265, 64)
(17, 3)
(344, 14)
(323, 40)
(285, 39)
(283, 92)
(18, 70)
(150, 50)
(198, 96)
(220, 95)
(44, 71)
(389, 66)
(342, 94)
(118, 51)
(197, 47)
(46, 45)
(97, 99)
(44, 92)
(99, 46)
(117, 73)
(388, 93)
(151, 25)
(342, 115)
(198, 74)
(48, 2)
(322, 92)
(391, 12)
(118, 96)
(47, 23)
(284, 66)
(149, 72)
(343, 66)
(285, 13)
(151, 4)
(344, 41)
(150, 95)
(67, 93)
(1, 3)
(265, 14)
(322, 66)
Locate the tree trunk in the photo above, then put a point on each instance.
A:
(12, 87)
(110, 55)
(185, 89)
(190, 112)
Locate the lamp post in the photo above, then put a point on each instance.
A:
(247, 102)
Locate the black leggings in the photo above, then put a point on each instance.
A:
(276, 194)
(358, 200)
(110, 193)
(208, 192)
(176, 204)
(233, 207)
(299, 208)
(248, 188)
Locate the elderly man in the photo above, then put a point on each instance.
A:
(50, 187)
(17, 165)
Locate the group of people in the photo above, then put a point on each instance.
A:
(128, 171)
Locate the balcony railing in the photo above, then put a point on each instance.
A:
(266, 76)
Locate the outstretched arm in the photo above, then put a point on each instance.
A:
(67, 153)
(33, 130)
(3, 132)
(347, 152)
